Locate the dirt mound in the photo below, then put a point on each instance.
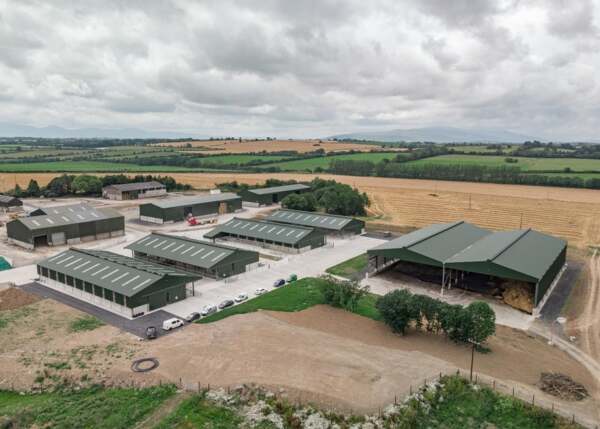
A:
(13, 297)
(518, 295)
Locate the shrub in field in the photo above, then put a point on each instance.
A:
(342, 294)
(397, 310)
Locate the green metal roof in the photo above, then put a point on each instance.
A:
(437, 242)
(525, 251)
(260, 229)
(197, 199)
(182, 249)
(111, 271)
(311, 219)
(276, 189)
(67, 209)
(61, 216)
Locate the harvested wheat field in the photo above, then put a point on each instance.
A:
(573, 214)
(246, 146)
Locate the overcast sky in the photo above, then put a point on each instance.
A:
(302, 68)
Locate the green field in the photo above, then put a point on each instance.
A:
(525, 164)
(196, 412)
(481, 148)
(89, 408)
(88, 166)
(323, 162)
(296, 296)
(350, 267)
(240, 159)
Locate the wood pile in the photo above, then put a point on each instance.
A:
(518, 295)
(562, 386)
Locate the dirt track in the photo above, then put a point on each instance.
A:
(586, 325)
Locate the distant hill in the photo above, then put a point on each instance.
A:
(439, 135)
(13, 130)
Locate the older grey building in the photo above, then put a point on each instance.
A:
(134, 191)
(179, 208)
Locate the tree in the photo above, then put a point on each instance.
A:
(18, 192)
(481, 322)
(33, 189)
(86, 184)
(59, 186)
(397, 310)
(343, 294)
(305, 202)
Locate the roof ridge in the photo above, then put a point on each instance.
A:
(510, 244)
(134, 263)
(452, 225)
(195, 240)
(313, 213)
(269, 222)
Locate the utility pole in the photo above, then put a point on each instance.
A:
(472, 359)
(469, 201)
(521, 221)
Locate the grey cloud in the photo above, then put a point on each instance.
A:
(571, 19)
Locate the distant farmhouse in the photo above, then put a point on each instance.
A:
(134, 191)
(267, 196)
(179, 208)
(59, 225)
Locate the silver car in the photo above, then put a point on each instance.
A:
(209, 309)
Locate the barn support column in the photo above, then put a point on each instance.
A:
(443, 277)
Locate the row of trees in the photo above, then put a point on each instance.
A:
(85, 184)
(401, 309)
(343, 294)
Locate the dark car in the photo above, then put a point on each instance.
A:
(192, 316)
(226, 303)
(151, 333)
(279, 283)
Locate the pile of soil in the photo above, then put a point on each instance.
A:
(518, 295)
(13, 297)
(562, 386)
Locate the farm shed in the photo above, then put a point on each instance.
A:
(126, 286)
(269, 234)
(274, 195)
(8, 203)
(134, 191)
(203, 257)
(328, 223)
(471, 257)
(65, 225)
(178, 209)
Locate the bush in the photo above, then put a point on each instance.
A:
(342, 294)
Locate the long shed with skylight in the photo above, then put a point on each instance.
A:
(328, 223)
(60, 225)
(197, 256)
(120, 284)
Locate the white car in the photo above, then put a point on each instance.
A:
(241, 297)
(172, 324)
(209, 309)
(260, 291)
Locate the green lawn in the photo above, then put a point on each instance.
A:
(350, 267)
(525, 164)
(296, 296)
(87, 166)
(89, 408)
(480, 148)
(196, 412)
(85, 323)
(323, 161)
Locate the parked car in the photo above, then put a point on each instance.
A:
(151, 333)
(260, 291)
(279, 283)
(192, 316)
(292, 278)
(172, 324)
(226, 303)
(208, 309)
(241, 297)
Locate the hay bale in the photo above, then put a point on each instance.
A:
(518, 295)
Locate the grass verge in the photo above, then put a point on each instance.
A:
(296, 296)
(196, 412)
(350, 267)
(90, 408)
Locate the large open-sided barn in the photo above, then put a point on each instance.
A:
(273, 195)
(203, 257)
(328, 223)
(53, 226)
(178, 209)
(123, 285)
(463, 255)
(134, 191)
(269, 234)
(8, 203)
